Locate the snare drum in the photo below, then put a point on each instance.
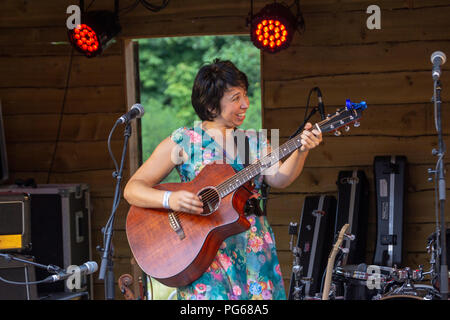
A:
(418, 292)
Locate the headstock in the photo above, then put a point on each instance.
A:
(351, 113)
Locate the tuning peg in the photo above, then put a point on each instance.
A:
(344, 250)
(347, 128)
(337, 133)
(356, 124)
(350, 236)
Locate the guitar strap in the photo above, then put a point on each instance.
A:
(252, 206)
(240, 152)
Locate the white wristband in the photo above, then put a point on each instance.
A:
(166, 199)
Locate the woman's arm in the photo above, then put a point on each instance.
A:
(139, 190)
(284, 173)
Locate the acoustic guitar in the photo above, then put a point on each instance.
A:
(176, 248)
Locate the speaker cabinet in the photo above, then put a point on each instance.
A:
(18, 272)
(60, 230)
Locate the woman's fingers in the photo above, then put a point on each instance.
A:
(310, 139)
(191, 203)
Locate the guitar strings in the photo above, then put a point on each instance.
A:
(209, 195)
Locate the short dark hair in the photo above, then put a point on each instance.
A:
(210, 84)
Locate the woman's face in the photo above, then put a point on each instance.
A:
(233, 106)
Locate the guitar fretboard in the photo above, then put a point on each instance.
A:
(258, 166)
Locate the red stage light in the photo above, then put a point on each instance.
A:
(95, 32)
(277, 24)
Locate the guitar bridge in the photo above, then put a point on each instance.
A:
(175, 225)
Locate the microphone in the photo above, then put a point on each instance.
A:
(136, 111)
(85, 269)
(320, 103)
(438, 58)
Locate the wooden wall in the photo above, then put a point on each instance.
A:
(59, 106)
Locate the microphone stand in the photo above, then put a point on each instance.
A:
(440, 175)
(107, 266)
(50, 268)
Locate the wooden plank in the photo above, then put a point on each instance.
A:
(31, 128)
(50, 49)
(324, 60)
(75, 127)
(42, 35)
(350, 27)
(381, 88)
(86, 155)
(70, 156)
(389, 120)
(34, 71)
(101, 99)
(95, 99)
(51, 71)
(101, 182)
(102, 71)
(89, 127)
(31, 100)
(351, 151)
(101, 211)
(285, 208)
(40, 177)
(29, 156)
(323, 180)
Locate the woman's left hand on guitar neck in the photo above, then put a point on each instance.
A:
(284, 173)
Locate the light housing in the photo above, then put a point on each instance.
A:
(272, 28)
(95, 32)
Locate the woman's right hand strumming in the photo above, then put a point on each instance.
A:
(185, 201)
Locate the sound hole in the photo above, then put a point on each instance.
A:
(211, 200)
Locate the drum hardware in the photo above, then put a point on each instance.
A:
(297, 268)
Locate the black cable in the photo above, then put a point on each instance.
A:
(23, 283)
(61, 115)
(146, 4)
(116, 198)
(153, 7)
(90, 4)
(129, 8)
(305, 117)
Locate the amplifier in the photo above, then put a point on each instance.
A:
(15, 224)
(19, 272)
(60, 229)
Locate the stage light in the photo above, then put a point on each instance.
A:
(95, 32)
(272, 28)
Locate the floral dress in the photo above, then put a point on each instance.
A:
(246, 266)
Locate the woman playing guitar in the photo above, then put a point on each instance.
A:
(246, 265)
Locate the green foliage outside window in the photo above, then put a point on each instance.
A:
(167, 68)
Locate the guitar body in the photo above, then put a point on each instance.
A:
(177, 259)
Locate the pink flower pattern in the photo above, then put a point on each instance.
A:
(246, 265)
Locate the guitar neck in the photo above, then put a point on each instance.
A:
(259, 166)
(331, 123)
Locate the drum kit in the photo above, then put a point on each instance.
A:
(373, 282)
